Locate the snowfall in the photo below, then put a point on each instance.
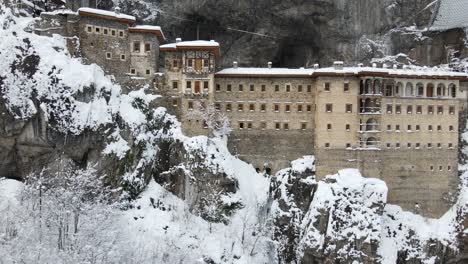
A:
(165, 231)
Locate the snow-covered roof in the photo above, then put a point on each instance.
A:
(192, 45)
(91, 12)
(450, 14)
(413, 72)
(266, 72)
(148, 29)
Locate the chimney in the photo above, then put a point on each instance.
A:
(374, 65)
(177, 40)
(234, 64)
(338, 65)
(395, 66)
(117, 10)
(269, 65)
(316, 66)
(385, 66)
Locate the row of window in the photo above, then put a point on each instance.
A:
(417, 128)
(263, 88)
(264, 125)
(252, 107)
(408, 145)
(105, 31)
(137, 46)
(378, 86)
(419, 109)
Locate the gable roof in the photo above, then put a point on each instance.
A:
(148, 29)
(192, 45)
(104, 14)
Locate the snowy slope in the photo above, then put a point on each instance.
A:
(451, 14)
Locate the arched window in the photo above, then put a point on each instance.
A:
(377, 87)
(361, 87)
(371, 142)
(409, 90)
(440, 90)
(452, 90)
(420, 89)
(370, 106)
(388, 90)
(368, 86)
(371, 125)
(399, 89)
(430, 90)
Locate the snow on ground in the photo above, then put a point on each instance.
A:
(9, 191)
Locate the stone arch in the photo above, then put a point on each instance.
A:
(368, 86)
(399, 89)
(440, 90)
(452, 90)
(409, 91)
(371, 142)
(430, 90)
(371, 124)
(420, 89)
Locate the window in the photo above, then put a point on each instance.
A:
(89, 29)
(97, 30)
(121, 33)
(419, 109)
(440, 168)
(299, 88)
(286, 126)
(327, 145)
(409, 128)
(389, 109)
(252, 88)
(108, 55)
(397, 145)
(429, 127)
(276, 88)
(263, 88)
(439, 145)
(346, 87)
(175, 85)
(417, 145)
(309, 88)
(205, 125)
(287, 108)
(147, 47)
(299, 108)
(174, 102)
(240, 107)
(349, 108)
(251, 107)
(206, 63)
(122, 57)
(218, 87)
(189, 84)
(430, 109)
(409, 109)
(450, 145)
(439, 128)
(329, 127)
(249, 125)
(348, 127)
(450, 128)
(389, 127)
(329, 108)
(228, 107)
(190, 63)
(397, 128)
(449, 168)
(309, 108)
(431, 167)
(241, 125)
(288, 87)
(190, 105)
(409, 145)
(348, 145)
(206, 85)
(136, 46)
(175, 64)
(277, 126)
(389, 145)
(105, 31)
(263, 125)
(327, 86)
(429, 145)
(451, 110)
(229, 88)
(263, 107)
(398, 109)
(148, 72)
(217, 106)
(132, 71)
(418, 128)
(276, 107)
(440, 110)
(113, 32)
(241, 87)
(303, 126)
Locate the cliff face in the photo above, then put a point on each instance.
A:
(301, 33)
